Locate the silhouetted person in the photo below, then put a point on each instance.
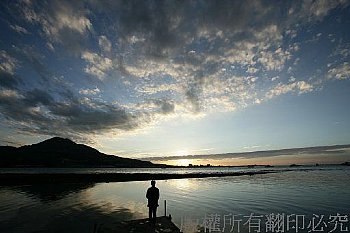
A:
(152, 196)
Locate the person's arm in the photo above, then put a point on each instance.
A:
(157, 194)
(147, 194)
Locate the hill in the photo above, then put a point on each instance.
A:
(61, 152)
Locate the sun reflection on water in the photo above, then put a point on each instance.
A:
(183, 184)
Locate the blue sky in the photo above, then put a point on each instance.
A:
(158, 78)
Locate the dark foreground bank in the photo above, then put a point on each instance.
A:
(15, 178)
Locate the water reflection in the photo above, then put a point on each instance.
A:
(77, 207)
(51, 192)
(66, 208)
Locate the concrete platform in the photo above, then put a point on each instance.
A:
(163, 225)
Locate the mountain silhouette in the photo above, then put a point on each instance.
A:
(62, 152)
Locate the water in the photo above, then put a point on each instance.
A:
(77, 207)
(185, 170)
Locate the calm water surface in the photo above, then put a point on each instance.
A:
(77, 207)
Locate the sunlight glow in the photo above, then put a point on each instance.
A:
(182, 152)
(183, 162)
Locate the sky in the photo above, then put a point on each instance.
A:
(144, 79)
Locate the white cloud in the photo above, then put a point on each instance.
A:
(252, 70)
(50, 46)
(322, 7)
(274, 60)
(229, 93)
(134, 39)
(243, 54)
(98, 65)
(219, 104)
(275, 78)
(158, 88)
(313, 10)
(94, 91)
(4, 93)
(291, 79)
(19, 29)
(8, 64)
(147, 67)
(300, 87)
(292, 33)
(70, 20)
(264, 48)
(340, 72)
(104, 43)
(58, 17)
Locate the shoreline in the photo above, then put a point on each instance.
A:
(20, 179)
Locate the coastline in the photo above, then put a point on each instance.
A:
(20, 179)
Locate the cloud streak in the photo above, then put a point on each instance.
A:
(329, 150)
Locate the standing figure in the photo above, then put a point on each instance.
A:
(152, 196)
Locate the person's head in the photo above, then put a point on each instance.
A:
(153, 183)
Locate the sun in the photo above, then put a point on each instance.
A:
(183, 162)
